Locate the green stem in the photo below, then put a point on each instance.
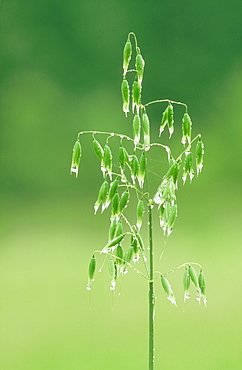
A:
(127, 263)
(111, 134)
(166, 100)
(151, 293)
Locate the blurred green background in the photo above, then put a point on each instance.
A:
(61, 67)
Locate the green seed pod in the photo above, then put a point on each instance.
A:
(134, 167)
(134, 244)
(145, 124)
(76, 157)
(186, 129)
(111, 268)
(163, 221)
(147, 142)
(127, 55)
(92, 268)
(170, 119)
(136, 129)
(125, 95)
(142, 170)
(186, 279)
(166, 205)
(124, 200)
(123, 157)
(166, 285)
(164, 121)
(143, 164)
(140, 212)
(113, 273)
(107, 157)
(146, 130)
(113, 243)
(139, 239)
(186, 284)
(193, 275)
(107, 160)
(168, 290)
(171, 218)
(113, 189)
(139, 65)
(176, 172)
(202, 288)
(98, 149)
(129, 254)
(187, 168)
(120, 255)
(136, 95)
(112, 229)
(188, 161)
(199, 155)
(102, 196)
(119, 229)
(115, 206)
(202, 282)
(91, 272)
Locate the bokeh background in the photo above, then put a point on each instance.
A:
(61, 67)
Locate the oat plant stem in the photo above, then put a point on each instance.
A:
(151, 292)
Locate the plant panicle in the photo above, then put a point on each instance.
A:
(125, 245)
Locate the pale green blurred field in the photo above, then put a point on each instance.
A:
(50, 321)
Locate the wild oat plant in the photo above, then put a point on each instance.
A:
(130, 178)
